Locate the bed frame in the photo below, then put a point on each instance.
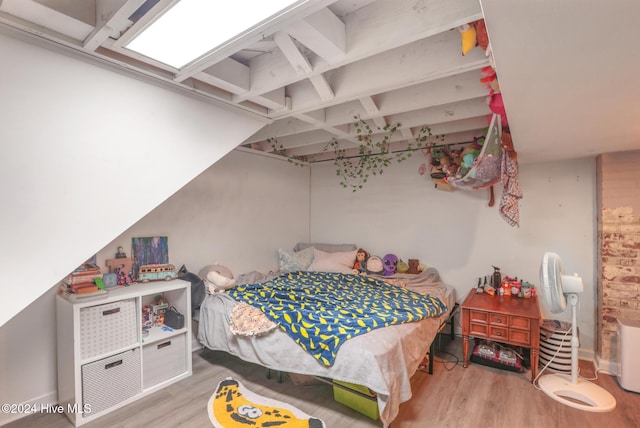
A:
(450, 320)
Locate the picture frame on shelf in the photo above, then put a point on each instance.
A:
(148, 251)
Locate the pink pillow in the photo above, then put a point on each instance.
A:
(333, 262)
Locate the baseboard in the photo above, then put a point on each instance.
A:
(607, 366)
(29, 407)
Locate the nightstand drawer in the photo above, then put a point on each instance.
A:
(521, 322)
(479, 329)
(499, 334)
(520, 336)
(499, 319)
(477, 316)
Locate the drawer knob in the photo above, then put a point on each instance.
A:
(499, 333)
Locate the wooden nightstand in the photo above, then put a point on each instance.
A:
(504, 319)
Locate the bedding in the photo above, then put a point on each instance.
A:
(321, 310)
(383, 359)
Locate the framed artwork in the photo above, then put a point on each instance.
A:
(149, 251)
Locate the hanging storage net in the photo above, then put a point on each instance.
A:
(486, 168)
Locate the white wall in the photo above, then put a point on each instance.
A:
(238, 212)
(400, 212)
(86, 152)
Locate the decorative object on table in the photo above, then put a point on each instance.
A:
(158, 309)
(389, 264)
(157, 272)
(556, 288)
(217, 278)
(121, 254)
(110, 280)
(125, 264)
(148, 251)
(173, 318)
(147, 317)
(232, 405)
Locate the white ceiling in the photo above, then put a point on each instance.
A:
(567, 69)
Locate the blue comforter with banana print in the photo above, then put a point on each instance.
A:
(321, 310)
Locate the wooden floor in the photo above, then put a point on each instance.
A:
(453, 396)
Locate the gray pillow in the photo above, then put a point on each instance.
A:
(327, 248)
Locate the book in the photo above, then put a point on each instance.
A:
(87, 290)
(77, 279)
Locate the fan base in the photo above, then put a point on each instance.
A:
(582, 395)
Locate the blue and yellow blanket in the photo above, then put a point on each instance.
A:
(321, 310)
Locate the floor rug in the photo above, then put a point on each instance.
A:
(234, 406)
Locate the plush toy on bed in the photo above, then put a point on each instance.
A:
(390, 264)
(217, 278)
(374, 265)
(359, 267)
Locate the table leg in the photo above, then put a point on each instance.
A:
(465, 351)
(534, 364)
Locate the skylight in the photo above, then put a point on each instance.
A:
(191, 28)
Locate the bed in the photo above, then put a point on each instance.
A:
(383, 359)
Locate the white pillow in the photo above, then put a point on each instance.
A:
(291, 261)
(333, 262)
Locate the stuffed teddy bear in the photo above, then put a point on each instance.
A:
(217, 278)
(413, 266)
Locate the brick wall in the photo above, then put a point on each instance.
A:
(619, 246)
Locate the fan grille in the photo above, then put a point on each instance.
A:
(550, 278)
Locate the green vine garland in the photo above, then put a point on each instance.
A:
(374, 155)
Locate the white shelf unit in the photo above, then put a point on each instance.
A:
(104, 362)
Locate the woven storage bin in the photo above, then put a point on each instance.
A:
(366, 406)
(107, 328)
(111, 380)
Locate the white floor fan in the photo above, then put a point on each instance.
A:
(578, 393)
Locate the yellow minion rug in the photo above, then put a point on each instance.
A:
(234, 406)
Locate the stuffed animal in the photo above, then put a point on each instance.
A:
(374, 265)
(389, 262)
(413, 266)
(217, 278)
(359, 265)
(469, 37)
(402, 266)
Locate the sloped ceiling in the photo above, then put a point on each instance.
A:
(567, 70)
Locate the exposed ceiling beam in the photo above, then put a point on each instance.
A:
(422, 61)
(228, 74)
(367, 33)
(323, 33)
(415, 97)
(251, 36)
(112, 17)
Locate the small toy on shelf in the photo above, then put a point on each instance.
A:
(121, 254)
(158, 308)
